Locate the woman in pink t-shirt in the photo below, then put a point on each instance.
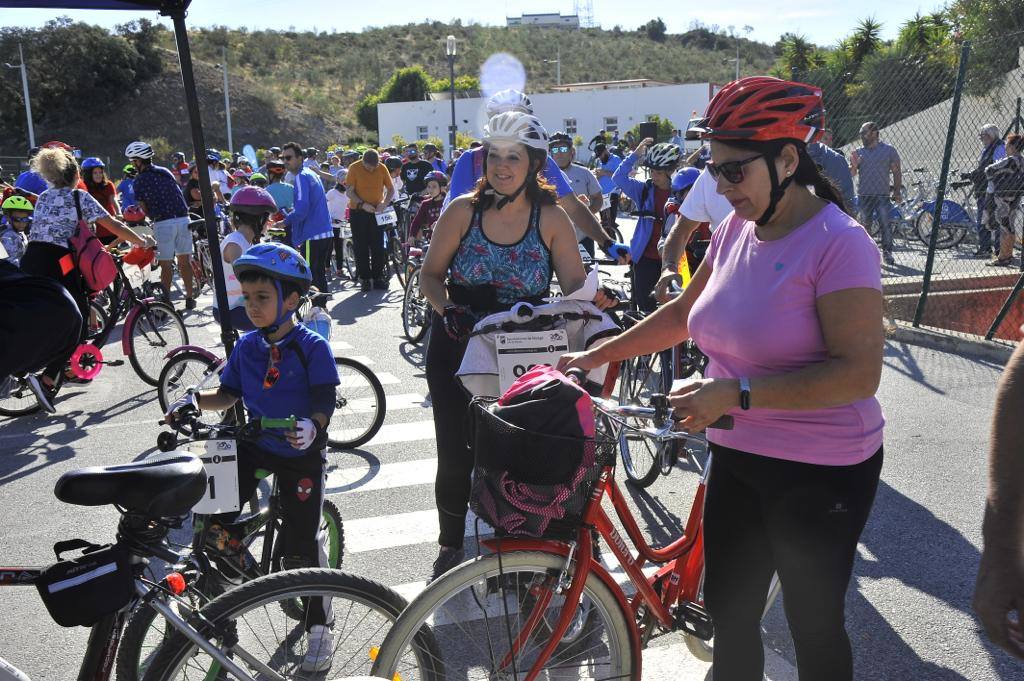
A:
(788, 307)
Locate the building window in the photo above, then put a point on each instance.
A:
(570, 126)
(421, 132)
(611, 123)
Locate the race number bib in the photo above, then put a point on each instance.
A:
(220, 459)
(388, 217)
(585, 255)
(519, 352)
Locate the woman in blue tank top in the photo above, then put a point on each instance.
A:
(489, 250)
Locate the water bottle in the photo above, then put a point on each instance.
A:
(319, 321)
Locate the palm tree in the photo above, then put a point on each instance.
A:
(923, 33)
(866, 38)
(799, 55)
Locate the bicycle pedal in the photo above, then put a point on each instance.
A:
(694, 620)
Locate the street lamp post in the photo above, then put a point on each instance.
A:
(24, 88)
(558, 65)
(227, 97)
(450, 50)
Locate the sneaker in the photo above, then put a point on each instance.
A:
(887, 257)
(380, 284)
(447, 558)
(983, 253)
(1000, 262)
(190, 303)
(44, 395)
(320, 650)
(364, 285)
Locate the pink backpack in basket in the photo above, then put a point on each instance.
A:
(94, 263)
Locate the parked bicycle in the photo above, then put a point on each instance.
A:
(245, 634)
(416, 310)
(545, 608)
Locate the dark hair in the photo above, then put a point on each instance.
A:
(255, 276)
(538, 189)
(600, 148)
(1016, 140)
(294, 146)
(807, 172)
(93, 186)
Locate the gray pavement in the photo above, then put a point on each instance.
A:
(908, 606)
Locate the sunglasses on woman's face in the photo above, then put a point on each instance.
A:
(732, 171)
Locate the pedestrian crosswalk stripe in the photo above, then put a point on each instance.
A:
(362, 359)
(364, 405)
(387, 476)
(401, 529)
(358, 381)
(338, 345)
(404, 432)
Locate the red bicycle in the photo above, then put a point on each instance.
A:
(548, 608)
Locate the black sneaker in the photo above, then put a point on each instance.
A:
(190, 303)
(364, 285)
(887, 257)
(380, 284)
(44, 395)
(447, 558)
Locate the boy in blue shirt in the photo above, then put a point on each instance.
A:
(282, 370)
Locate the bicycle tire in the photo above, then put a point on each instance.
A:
(21, 402)
(146, 337)
(396, 255)
(183, 371)
(96, 308)
(349, 259)
(415, 309)
(949, 235)
(350, 402)
(453, 596)
(641, 458)
(331, 524)
(378, 601)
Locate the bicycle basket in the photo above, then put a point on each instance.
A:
(531, 484)
(81, 591)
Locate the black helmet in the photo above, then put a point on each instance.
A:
(392, 163)
(560, 137)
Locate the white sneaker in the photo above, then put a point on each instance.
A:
(320, 650)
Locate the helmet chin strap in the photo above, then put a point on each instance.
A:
(778, 190)
(282, 314)
(507, 198)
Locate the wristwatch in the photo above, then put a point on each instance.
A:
(744, 393)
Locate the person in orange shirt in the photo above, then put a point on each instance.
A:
(370, 191)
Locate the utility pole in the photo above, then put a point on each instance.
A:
(451, 51)
(24, 89)
(227, 98)
(557, 61)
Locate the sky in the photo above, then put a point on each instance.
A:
(823, 23)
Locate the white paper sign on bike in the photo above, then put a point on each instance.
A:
(388, 217)
(606, 201)
(220, 459)
(519, 352)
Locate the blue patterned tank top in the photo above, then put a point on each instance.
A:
(517, 271)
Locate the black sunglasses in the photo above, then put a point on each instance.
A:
(732, 171)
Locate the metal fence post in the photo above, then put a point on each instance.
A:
(1005, 309)
(940, 194)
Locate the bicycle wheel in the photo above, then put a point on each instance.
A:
(155, 330)
(246, 624)
(183, 371)
(641, 457)
(333, 529)
(396, 254)
(949, 234)
(21, 402)
(349, 259)
(415, 309)
(359, 405)
(477, 611)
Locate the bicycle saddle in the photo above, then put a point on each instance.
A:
(163, 485)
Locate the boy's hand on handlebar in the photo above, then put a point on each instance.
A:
(304, 434)
(700, 403)
(187, 402)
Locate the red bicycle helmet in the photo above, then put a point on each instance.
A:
(140, 256)
(762, 109)
(133, 213)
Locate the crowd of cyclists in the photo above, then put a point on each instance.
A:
(781, 289)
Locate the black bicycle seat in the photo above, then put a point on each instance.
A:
(163, 485)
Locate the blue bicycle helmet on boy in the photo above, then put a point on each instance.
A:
(280, 263)
(684, 179)
(92, 162)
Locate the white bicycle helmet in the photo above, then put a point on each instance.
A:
(139, 150)
(663, 156)
(508, 100)
(516, 126)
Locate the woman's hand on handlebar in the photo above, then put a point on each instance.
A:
(700, 403)
(578, 360)
(663, 290)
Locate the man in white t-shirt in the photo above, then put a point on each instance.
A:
(702, 204)
(337, 204)
(583, 183)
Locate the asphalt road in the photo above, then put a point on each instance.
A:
(908, 607)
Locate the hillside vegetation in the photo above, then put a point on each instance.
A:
(109, 86)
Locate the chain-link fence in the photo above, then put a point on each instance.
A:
(911, 128)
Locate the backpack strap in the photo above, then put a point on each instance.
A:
(294, 346)
(78, 204)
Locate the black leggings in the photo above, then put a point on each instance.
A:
(454, 458)
(765, 515)
(44, 260)
(646, 272)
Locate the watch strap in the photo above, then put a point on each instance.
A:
(744, 393)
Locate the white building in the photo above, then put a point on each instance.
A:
(580, 109)
(552, 20)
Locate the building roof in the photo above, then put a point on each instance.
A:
(611, 85)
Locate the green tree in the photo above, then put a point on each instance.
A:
(799, 55)
(922, 33)
(864, 41)
(655, 30)
(409, 84)
(665, 128)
